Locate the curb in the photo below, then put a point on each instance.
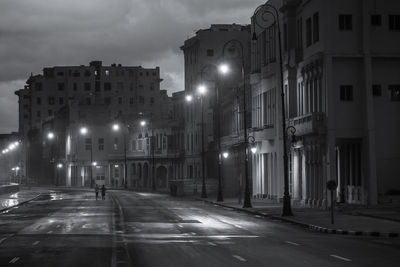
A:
(20, 204)
(311, 227)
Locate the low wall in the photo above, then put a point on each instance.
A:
(6, 189)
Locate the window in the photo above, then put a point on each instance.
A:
(141, 99)
(116, 172)
(97, 86)
(308, 32)
(87, 87)
(346, 93)
(51, 100)
(38, 86)
(147, 73)
(120, 86)
(101, 143)
(60, 73)
(376, 90)
(50, 112)
(60, 86)
(299, 43)
(107, 100)
(210, 52)
(61, 101)
(345, 22)
(107, 86)
(38, 101)
(394, 22)
(119, 100)
(315, 28)
(131, 100)
(152, 86)
(75, 86)
(76, 74)
(154, 73)
(88, 143)
(376, 20)
(152, 100)
(38, 113)
(394, 92)
(115, 143)
(87, 73)
(88, 101)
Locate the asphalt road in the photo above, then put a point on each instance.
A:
(71, 228)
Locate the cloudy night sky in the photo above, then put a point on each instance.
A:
(44, 33)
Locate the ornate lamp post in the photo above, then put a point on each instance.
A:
(287, 210)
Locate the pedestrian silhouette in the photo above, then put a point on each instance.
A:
(103, 192)
(96, 190)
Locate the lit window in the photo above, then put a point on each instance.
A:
(107, 72)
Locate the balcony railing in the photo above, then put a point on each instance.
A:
(313, 123)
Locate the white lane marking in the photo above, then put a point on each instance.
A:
(193, 233)
(238, 226)
(14, 260)
(238, 257)
(212, 244)
(181, 226)
(3, 239)
(35, 243)
(340, 258)
(292, 243)
(257, 216)
(49, 232)
(58, 225)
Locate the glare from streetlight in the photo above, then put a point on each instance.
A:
(17, 168)
(253, 149)
(11, 146)
(59, 165)
(50, 135)
(223, 68)
(94, 163)
(16, 143)
(225, 154)
(142, 123)
(189, 98)
(83, 130)
(202, 89)
(115, 127)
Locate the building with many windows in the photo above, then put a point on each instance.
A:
(342, 92)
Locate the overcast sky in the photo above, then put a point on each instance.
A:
(39, 33)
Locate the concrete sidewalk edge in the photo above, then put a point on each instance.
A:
(311, 227)
(21, 203)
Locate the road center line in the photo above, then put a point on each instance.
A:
(212, 244)
(14, 260)
(340, 258)
(35, 243)
(292, 243)
(238, 257)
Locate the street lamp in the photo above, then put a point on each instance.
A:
(84, 131)
(287, 210)
(50, 135)
(224, 68)
(115, 128)
(152, 145)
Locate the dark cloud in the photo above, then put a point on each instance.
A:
(40, 33)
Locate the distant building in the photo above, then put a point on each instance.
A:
(62, 100)
(342, 92)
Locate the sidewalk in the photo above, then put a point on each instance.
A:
(10, 200)
(377, 221)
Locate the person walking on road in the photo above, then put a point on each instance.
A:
(96, 190)
(103, 192)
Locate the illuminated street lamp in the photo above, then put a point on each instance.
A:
(189, 98)
(84, 131)
(225, 155)
(152, 146)
(50, 135)
(116, 128)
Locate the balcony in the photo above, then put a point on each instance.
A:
(313, 123)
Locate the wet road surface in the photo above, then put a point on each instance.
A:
(71, 228)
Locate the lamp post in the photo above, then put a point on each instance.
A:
(84, 131)
(115, 128)
(152, 144)
(222, 69)
(201, 90)
(50, 136)
(287, 210)
(59, 167)
(247, 193)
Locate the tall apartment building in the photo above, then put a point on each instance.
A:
(221, 43)
(65, 98)
(342, 88)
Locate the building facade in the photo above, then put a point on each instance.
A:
(341, 96)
